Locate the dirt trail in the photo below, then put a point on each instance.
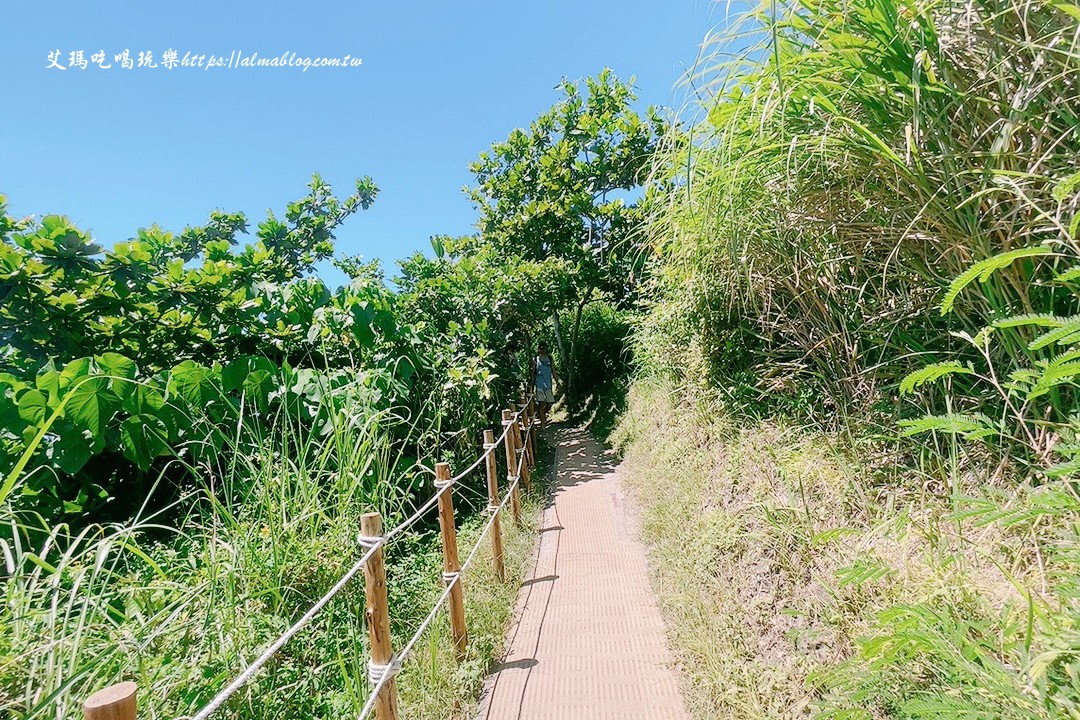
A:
(588, 643)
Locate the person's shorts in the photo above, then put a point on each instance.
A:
(545, 396)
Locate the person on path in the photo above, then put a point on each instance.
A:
(544, 377)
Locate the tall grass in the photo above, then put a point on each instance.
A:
(179, 599)
(856, 156)
(853, 158)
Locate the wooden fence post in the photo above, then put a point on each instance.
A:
(378, 616)
(116, 702)
(526, 436)
(532, 422)
(493, 505)
(511, 464)
(451, 563)
(519, 448)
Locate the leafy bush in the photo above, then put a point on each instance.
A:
(120, 362)
(184, 462)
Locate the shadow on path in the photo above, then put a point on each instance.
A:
(588, 641)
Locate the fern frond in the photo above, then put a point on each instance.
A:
(1044, 503)
(983, 269)
(1054, 376)
(1067, 449)
(1065, 357)
(1072, 467)
(1069, 275)
(1066, 187)
(1029, 319)
(1025, 376)
(862, 571)
(1061, 335)
(971, 427)
(931, 373)
(942, 706)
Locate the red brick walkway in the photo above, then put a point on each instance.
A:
(589, 641)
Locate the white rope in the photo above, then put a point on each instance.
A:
(400, 658)
(488, 450)
(219, 699)
(379, 674)
(370, 541)
(521, 455)
(487, 527)
(384, 672)
(404, 654)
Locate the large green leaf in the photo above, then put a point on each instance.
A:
(147, 398)
(259, 384)
(78, 368)
(71, 451)
(144, 438)
(121, 372)
(90, 404)
(33, 407)
(233, 374)
(48, 381)
(196, 384)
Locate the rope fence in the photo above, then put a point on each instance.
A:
(118, 702)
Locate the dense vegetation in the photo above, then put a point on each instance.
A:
(191, 431)
(841, 294)
(867, 265)
(191, 424)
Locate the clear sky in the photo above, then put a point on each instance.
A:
(118, 149)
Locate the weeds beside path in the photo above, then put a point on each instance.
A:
(798, 582)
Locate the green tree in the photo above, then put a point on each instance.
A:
(476, 310)
(568, 189)
(161, 298)
(113, 359)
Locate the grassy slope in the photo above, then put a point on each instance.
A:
(812, 584)
(181, 614)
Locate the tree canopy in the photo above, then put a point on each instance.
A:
(569, 188)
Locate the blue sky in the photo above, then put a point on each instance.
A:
(120, 149)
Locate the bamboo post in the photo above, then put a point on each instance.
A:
(532, 425)
(378, 616)
(451, 563)
(116, 702)
(519, 448)
(511, 464)
(493, 505)
(526, 436)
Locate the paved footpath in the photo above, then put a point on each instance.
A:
(588, 643)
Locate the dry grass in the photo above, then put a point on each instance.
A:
(797, 555)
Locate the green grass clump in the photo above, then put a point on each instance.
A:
(847, 161)
(179, 601)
